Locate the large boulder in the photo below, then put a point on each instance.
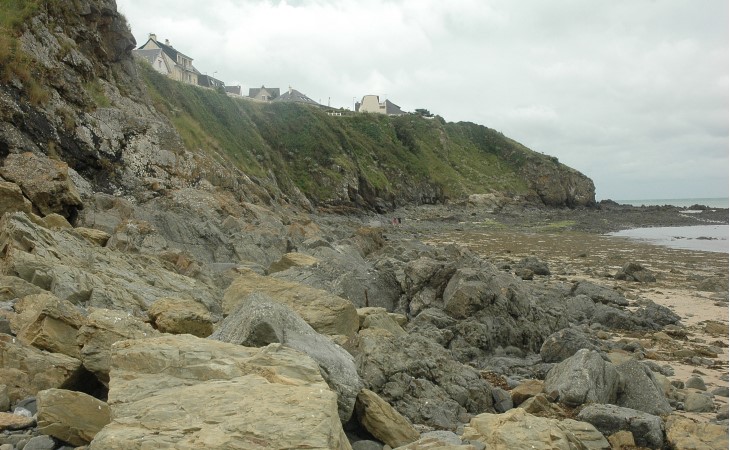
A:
(258, 321)
(12, 199)
(648, 430)
(48, 323)
(181, 316)
(71, 416)
(326, 313)
(45, 182)
(583, 378)
(564, 343)
(641, 390)
(383, 421)
(684, 433)
(419, 378)
(635, 272)
(180, 391)
(102, 328)
(27, 370)
(516, 429)
(599, 294)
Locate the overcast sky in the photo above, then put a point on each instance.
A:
(633, 93)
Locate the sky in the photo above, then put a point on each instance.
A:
(632, 93)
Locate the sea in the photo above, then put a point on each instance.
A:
(708, 238)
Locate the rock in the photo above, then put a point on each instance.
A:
(56, 222)
(48, 323)
(96, 237)
(686, 434)
(635, 272)
(539, 405)
(599, 294)
(720, 391)
(436, 443)
(26, 370)
(12, 199)
(45, 182)
(419, 378)
(447, 437)
(103, 328)
(713, 284)
(525, 274)
(647, 429)
(258, 320)
(10, 422)
(535, 265)
(292, 260)
(13, 288)
(658, 314)
(383, 421)
(502, 400)
(641, 390)
(583, 378)
(70, 416)
(326, 313)
(40, 443)
(181, 316)
(383, 321)
(695, 382)
(621, 439)
(367, 445)
(517, 429)
(186, 392)
(4, 399)
(526, 389)
(564, 343)
(696, 402)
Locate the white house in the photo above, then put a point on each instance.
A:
(168, 61)
(372, 104)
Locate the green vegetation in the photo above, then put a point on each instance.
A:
(96, 91)
(322, 154)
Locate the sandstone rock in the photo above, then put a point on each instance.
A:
(326, 313)
(641, 390)
(12, 288)
(599, 294)
(70, 416)
(648, 430)
(383, 321)
(383, 421)
(259, 320)
(686, 434)
(45, 182)
(181, 316)
(621, 439)
(10, 422)
(12, 199)
(292, 260)
(564, 343)
(419, 378)
(362, 313)
(27, 370)
(539, 405)
(104, 327)
(48, 323)
(696, 402)
(436, 443)
(525, 390)
(56, 222)
(179, 391)
(97, 237)
(517, 429)
(4, 399)
(635, 272)
(583, 378)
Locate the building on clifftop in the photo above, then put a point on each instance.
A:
(263, 94)
(372, 104)
(168, 61)
(292, 95)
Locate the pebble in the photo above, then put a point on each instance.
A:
(40, 443)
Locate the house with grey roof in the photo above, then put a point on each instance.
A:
(263, 94)
(292, 95)
(234, 90)
(168, 61)
(372, 104)
(210, 82)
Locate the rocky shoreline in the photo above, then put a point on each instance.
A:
(458, 327)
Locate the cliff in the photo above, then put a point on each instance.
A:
(72, 91)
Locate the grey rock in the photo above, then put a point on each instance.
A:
(695, 382)
(40, 443)
(583, 378)
(641, 390)
(502, 400)
(258, 321)
(448, 437)
(564, 343)
(635, 272)
(648, 429)
(367, 445)
(612, 317)
(599, 294)
(696, 402)
(721, 391)
(4, 398)
(535, 265)
(658, 314)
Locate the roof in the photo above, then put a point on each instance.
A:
(168, 49)
(392, 109)
(254, 92)
(209, 81)
(292, 95)
(149, 54)
(233, 90)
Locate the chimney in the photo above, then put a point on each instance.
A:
(289, 90)
(167, 42)
(153, 36)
